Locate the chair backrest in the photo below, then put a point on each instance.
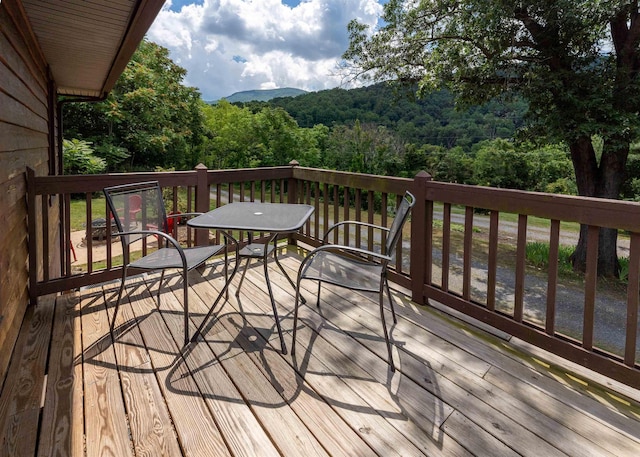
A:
(402, 214)
(135, 207)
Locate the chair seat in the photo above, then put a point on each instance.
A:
(344, 271)
(170, 258)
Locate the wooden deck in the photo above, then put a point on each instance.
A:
(72, 390)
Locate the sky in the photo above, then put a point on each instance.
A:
(229, 46)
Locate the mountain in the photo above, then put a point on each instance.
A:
(264, 95)
(433, 119)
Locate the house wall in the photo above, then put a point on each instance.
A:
(27, 139)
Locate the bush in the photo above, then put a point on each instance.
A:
(79, 158)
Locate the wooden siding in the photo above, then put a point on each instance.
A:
(27, 135)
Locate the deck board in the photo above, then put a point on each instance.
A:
(62, 416)
(105, 421)
(457, 391)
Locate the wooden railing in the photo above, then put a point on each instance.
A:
(451, 253)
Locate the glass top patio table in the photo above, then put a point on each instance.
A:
(272, 218)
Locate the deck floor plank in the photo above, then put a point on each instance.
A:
(555, 431)
(63, 410)
(106, 423)
(240, 428)
(22, 390)
(457, 390)
(366, 375)
(329, 428)
(194, 424)
(150, 422)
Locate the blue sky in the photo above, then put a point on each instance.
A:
(228, 46)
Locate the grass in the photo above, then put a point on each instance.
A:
(79, 208)
(538, 256)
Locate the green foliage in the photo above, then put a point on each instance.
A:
(432, 119)
(363, 148)
(242, 138)
(149, 118)
(573, 61)
(498, 164)
(79, 158)
(537, 255)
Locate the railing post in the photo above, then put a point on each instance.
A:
(203, 200)
(421, 239)
(292, 194)
(292, 184)
(32, 242)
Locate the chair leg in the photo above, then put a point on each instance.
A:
(393, 311)
(185, 284)
(384, 328)
(115, 312)
(160, 286)
(274, 308)
(318, 295)
(295, 317)
(244, 272)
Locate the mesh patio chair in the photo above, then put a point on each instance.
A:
(355, 268)
(151, 220)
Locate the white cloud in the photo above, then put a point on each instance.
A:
(233, 45)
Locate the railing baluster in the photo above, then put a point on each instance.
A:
(552, 276)
(370, 220)
(521, 258)
(590, 282)
(316, 216)
(336, 211)
(358, 208)
(492, 260)
(384, 217)
(399, 267)
(325, 213)
(45, 239)
(89, 231)
(108, 236)
(467, 254)
(446, 245)
(633, 296)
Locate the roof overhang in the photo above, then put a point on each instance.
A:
(88, 43)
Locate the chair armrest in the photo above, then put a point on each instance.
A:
(347, 250)
(354, 223)
(169, 238)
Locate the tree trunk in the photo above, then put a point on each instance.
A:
(603, 181)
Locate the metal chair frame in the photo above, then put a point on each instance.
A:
(342, 257)
(151, 220)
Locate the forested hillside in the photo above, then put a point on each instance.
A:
(152, 120)
(431, 120)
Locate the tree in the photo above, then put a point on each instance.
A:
(241, 138)
(575, 62)
(498, 164)
(149, 115)
(363, 148)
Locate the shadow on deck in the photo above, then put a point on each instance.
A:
(73, 390)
